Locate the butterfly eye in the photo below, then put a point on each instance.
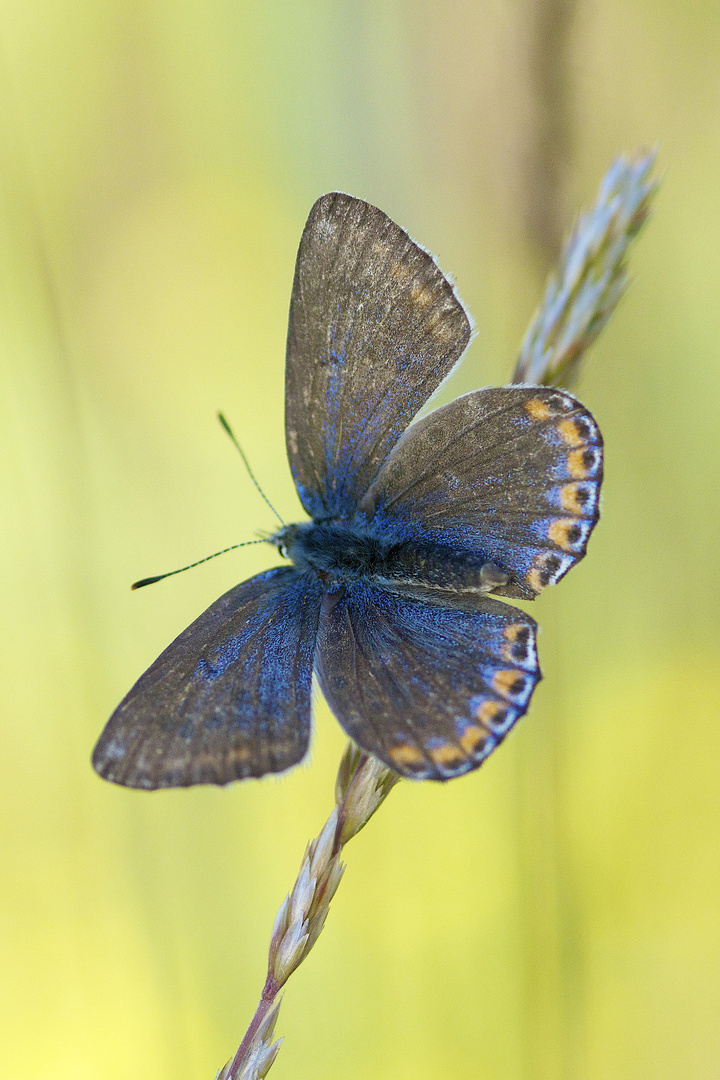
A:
(283, 550)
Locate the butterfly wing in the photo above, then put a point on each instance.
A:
(374, 329)
(228, 699)
(511, 473)
(430, 683)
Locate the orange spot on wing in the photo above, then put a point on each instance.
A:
(489, 713)
(405, 755)
(534, 579)
(571, 498)
(473, 739)
(538, 409)
(508, 683)
(514, 651)
(447, 756)
(570, 433)
(580, 463)
(563, 533)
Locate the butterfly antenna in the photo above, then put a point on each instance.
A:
(151, 580)
(239, 448)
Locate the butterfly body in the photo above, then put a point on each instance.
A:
(412, 526)
(339, 553)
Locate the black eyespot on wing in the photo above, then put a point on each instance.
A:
(228, 699)
(374, 329)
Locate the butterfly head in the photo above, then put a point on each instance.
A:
(285, 540)
(332, 550)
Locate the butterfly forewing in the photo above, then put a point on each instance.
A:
(374, 329)
(430, 683)
(511, 473)
(229, 698)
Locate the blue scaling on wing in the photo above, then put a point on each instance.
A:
(428, 682)
(229, 698)
(374, 329)
(511, 474)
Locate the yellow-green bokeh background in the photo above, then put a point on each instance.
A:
(553, 916)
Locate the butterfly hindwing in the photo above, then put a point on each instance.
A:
(374, 329)
(512, 473)
(229, 698)
(428, 682)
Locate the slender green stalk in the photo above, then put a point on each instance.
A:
(579, 299)
(362, 786)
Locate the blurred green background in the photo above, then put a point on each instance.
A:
(554, 915)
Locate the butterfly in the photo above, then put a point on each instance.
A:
(390, 595)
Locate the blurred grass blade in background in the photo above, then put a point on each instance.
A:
(583, 292)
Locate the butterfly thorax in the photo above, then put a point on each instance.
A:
(339, 552)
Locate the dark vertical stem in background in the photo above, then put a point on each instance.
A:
(57, 412)
(550, 972)
(550, 137)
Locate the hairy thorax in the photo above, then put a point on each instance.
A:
(339, 553)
